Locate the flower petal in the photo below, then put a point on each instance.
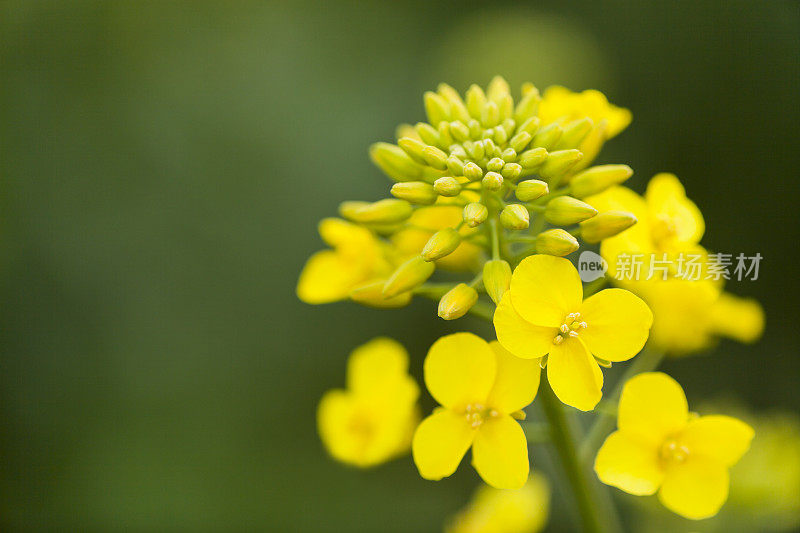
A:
(440, 442)
(459, 370)
(618, 324)
(696, 488)
(372, 364)
(724, 438)
(652, 407)
(500, 453)
(544, 289)
(328, 277)
(629, 464)
(574, 375)
(516, 382)
(666, 197)
(519, 336)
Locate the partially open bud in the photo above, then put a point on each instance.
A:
(530, 190)
(447, 186)
(384, 211)
(606, 225)
(371, 294)
(565, 210)
(597, 179)
(556, 242)
(475, 214)
(442, 243)
(408, 276)
(559, 162)
(496, 278)
(416, 192)
(394, 162)
(457, 301)
(530, 159)
(492, 181)
(472, 171)
(515, 216)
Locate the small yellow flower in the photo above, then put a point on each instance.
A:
(373, 419)
(480, 386)
(493, 510)
(660, 446)
(559, 103)
(544, 313)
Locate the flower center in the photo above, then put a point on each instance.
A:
(673, 451)
(477, 413)
(570, 328)
(663, 229)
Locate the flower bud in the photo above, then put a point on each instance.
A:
(556, 242)
(476, 100)
(565, 210)
(447, 186)
(574, 133)
(559, 162)
(597, 179)
(459, 131)
(519, 141)
(530, 190)
(509, 155)
(416, 192)
(436, 108)
(500, 135)
(606, 225)
(491, 115)
(532, 158)
(455, 166)
(413, 147)
(495, 164)
(475, 214)
(442, 243)
(476, 150)
(457, 301)
(491, 148)
(408, 276)
(427, 133)
(496, 278)
(371, 294)
(515, 216)
(547, 137)
(531, 125)
(492, 181)
(435, 157)
(394, 162)
(511, 171)
(527, 106)
(384, 211)
(472, 171)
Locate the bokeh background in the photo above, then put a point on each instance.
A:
(162, 169)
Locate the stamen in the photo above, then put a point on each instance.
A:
(558, 340)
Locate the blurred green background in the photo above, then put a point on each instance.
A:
(162, 170)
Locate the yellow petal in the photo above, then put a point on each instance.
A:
(328, 277)
(738, 318)
(440, 442)
(574, 375)
(518, 336)
(618, 324)
(545, 289)
(723, 438)
(500, 453)
(340, 233)
(460, 370)
(516, 381)
(666, 198)
(629, 464)
(374, 364)
(696, 488)
(652, 407)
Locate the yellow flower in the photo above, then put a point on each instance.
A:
(661, 447)
(480, 386)
(544, 313)
(371, 421)
(493, 510)
(559, 103)
(357, 258)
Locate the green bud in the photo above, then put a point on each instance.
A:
(496, 278)
(606, 225)
(558, 163)
(495, 164)
(476, 101)
(472, 171)
(530, 126)
(597, 179)
(436, 108)
(527, 106)
(475, 214)
(490, 148)
(548, 136)
(475, 150)
(475, 129)
(519, 141)
(500, 135)
(497, 89)
(442, 243)
(447, 186)
(459, 131)
(565, 210)
(384, 211)
(371, 294)
(574, 133)
(530, 159)
(457, 301)
(511, 171)
(509, 155)
(394, 162)
(413, 148)
(492, 181)
(506, 107)
(435, 157)
(408, 276)
(509, 124)
(445, 138)
(458, 151)
(457, 107)
(491, 115)
(556, 242)
(427, 133)
(530, 190)
(455, 166)
(515, 216)
(416, 192)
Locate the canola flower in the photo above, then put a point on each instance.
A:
(661, 447)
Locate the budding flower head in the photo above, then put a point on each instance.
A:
(530, 190)
(496, 278)
(606, 225)
(556, 242)
(408, 276)
(475, 214)
(457, 301)
(565, 210)
(599, 178)
(515, 216)
(416, 192)
(441, 244)
(385, 211)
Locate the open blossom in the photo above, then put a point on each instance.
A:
(481, 388)
(660, 446)
(544, 313)
(373, 419)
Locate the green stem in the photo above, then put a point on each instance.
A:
(536, 432)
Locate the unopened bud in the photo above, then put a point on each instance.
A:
(500, 135)
(531, 125)
(492, 181)
(496, 278)
(457, 107)
(476, 150)
(495, 164)
(574, 133)
(532, 158)
(597, 179)
(515, 216)
(527, 106)
(413, 147)
(547, 137)
(371, 294)
(530, 190)
(519, 141)
(435, 157)
(472, 171)
(416, 192)
(447, 186)
(509, 155)
(511, 171)
(559, 162)
(395, 162)
(384, 211)
(556, 242)
(455, 166)
(408, 276)
(476, 101)
(457, 301)
(442, 243)
(606, 225)
(427, 133)
(565, 210)
(436, 108)
(475, 214)
(459, 131)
